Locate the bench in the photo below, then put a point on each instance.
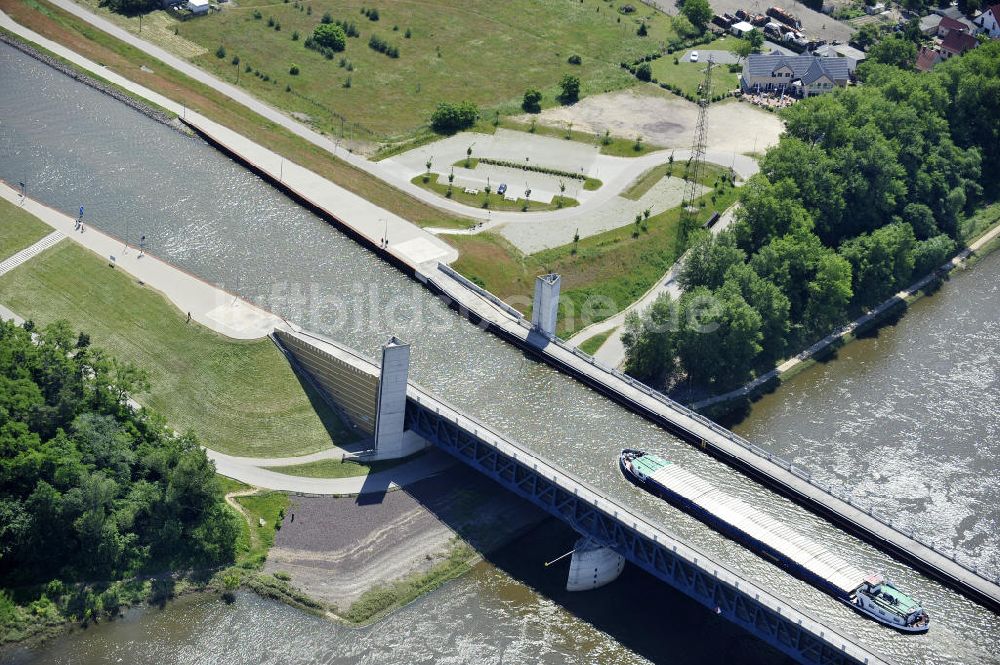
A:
(469, 190)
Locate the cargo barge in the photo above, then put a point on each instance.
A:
(869, 594)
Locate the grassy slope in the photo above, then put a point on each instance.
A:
(332, 468)
(483, 51)
(612, 265)
(239, 397)
(18, 230)
(127, 61)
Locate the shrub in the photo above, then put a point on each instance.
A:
(642, 31)
(270, 21)
(235, 61)
(408, 33)
(347, 83)
(575, 60)
(257, 15)
(644, 72)
(532, 102)
(327, 19)
(294, 70)
(378, 44)
(570, 89)
(220, 52)
(295, 35)
(450, 118)
(330, 36)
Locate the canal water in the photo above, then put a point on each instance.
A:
(74, 146)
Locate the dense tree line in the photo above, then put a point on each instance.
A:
(91, 489)
(864, 192)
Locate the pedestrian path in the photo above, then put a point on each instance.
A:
(17, 259)
(208, 304)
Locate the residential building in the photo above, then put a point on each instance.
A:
(852, 55)
(198, 6)
(800, 75)
(957, 43)
(926, 59)
(989, 22)
(948, 24)
(929, 24)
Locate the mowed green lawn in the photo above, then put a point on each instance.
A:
(689, 75)
(241, 398)
(18, 230)
(485, 52)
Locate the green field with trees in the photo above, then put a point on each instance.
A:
(384, 78)
(867, 190)
(96, 501)
(602, 274)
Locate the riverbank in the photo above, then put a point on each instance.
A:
(729, 406)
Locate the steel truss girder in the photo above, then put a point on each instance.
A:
(654, 557)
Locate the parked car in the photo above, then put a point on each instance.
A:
(694, 56)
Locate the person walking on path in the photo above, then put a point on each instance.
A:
(189, 317)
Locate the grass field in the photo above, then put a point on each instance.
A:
(645, 182)
(495, 202)
(688, 75)
(486, 52)
(255, 541)
(19, 230)
(241, 398)
(613, 268)
(334, 468)
(66, 29)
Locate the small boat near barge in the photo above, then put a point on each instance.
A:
(871, 595)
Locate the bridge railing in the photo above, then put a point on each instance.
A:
(803, 474)
(572, 483)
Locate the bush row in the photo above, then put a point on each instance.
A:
(382, 46)
(531, 167)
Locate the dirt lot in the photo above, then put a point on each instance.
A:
(337, 548)
(814, 24)
(666, 120)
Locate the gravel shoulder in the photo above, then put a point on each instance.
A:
(335, 549)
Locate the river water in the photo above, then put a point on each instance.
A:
(74, 146)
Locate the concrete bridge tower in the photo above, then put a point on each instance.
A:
(391, 406)
(545, 309)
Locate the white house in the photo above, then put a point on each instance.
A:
(740, 28)
(989, 21)
(198, 6)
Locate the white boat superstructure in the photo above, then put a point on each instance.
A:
(879, 599)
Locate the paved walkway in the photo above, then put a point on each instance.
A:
(612, 351)
(846, 330)
(28, 252)
(250, 471)
(209, 305)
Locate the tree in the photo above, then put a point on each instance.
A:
(649, 341)
(532, 102)
(699, 12)
(720, 337)
(867, 35)
(930, 254)
(829, 295)
(570, 86)
(708, 260)
(756, 39)
(644, 72)
(895, 51)
(769, 302)
(769, 211)
(741, 48)
(882, 261)
(331, 36)
(683, 27)
(450, 118)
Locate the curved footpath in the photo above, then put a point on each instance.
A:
(233, 317)
(612, 351)
(388, 171)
